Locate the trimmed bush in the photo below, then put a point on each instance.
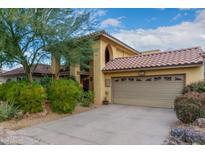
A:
(28, 97)
(64, 95)
(87, 99)
(197, 87)
(190, 107)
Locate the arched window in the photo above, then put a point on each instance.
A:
(107, 55)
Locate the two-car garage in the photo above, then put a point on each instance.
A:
(153, 91)
(153, 79)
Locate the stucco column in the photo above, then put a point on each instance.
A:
(75, 71)
(98, 76)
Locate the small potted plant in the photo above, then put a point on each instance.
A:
(105, 101)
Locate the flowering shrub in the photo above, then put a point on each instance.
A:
(190, 106)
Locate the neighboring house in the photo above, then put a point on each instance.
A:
(126, 76)
(2, 80)
(19, 74)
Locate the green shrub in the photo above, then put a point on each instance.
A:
(197, 87)
(4, 88)
(45, 81)
(28, 97)
(2, 92)
(190, 107)
(64, 95)
(69, 77)
(87, 98)
(8, 112)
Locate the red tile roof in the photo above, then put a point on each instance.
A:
(40, 69)
(179, 57)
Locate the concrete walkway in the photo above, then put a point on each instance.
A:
(112, 124)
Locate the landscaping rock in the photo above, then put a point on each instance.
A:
(189, 135)
(174, 141)
(200, 122)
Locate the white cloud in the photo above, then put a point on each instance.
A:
(179, 15)
(101, 12)
(200, 15)
(112, 22)
(185, 34)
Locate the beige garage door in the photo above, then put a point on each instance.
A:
(155, 91)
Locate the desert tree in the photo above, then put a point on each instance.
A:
(30, 36)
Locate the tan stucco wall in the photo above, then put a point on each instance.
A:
(75, 71)
(99, 64)
(117, 50)
(193, 74)
(122, 53)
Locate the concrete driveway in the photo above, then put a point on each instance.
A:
(112, 124)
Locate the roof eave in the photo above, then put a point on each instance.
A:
(120, 42)
(22, 74)
(11, 75)
(97, 35)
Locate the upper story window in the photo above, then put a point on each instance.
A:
(107, 55)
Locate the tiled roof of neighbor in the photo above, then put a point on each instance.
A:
(188, 56)
(40, 69)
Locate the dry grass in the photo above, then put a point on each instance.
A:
(33, 119)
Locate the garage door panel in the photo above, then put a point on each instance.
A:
(160, 93)
(146, 103)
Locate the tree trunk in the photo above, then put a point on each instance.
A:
(28, 73)
(55, 67)
(30, 77)
(56, 76)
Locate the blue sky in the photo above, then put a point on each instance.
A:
(150, 18)
(147, 29)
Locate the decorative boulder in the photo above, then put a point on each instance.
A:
(188, 135)
(200, 122)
